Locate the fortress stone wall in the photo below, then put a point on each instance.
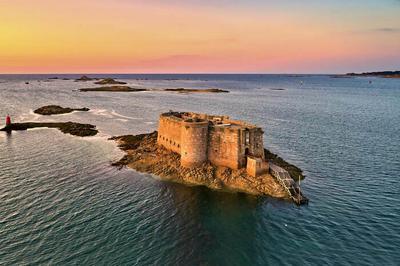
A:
(199, 138)
(169, 133)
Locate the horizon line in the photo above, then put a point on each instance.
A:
(193, 73)
(199, 73)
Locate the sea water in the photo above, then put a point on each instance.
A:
(62, 203)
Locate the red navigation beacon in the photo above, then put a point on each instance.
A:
(8, 120)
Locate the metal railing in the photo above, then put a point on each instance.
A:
(286, 181)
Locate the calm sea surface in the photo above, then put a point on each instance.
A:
(61, 202)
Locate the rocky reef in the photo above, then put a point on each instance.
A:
(83, 78)
(109, 81)
(113, 89)
(56, 110)
(130, 89)
(183, 90)
(293, 170)
(75, 129)
(144, 155)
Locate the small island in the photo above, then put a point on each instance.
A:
(211, 151)
(276, 89)
(83, 78)
(57, 110)
(109, 81)
(75, 129)
(113, 89)
(130, 89)
(183, 90)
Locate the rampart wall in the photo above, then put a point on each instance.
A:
(169, 133)
(224, 147)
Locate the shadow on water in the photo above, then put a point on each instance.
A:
(216, 221)
(7, 136)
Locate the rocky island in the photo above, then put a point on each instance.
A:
(75, 129)
(56, 110)
(113, 89)
(109, 81)
(183, 90)
(83, 78)
(212, 151)
(130, 89)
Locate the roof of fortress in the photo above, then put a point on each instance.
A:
(213, 120)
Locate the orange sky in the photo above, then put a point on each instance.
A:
(122, 36)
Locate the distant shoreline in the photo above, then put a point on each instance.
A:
(383, 74)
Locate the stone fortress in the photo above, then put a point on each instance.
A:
(199, 138)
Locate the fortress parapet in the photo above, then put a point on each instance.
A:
(199, 138)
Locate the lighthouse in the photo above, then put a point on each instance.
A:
(8, 120)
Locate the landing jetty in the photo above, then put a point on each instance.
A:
(57, 110)
(75, 129)
(212, 151)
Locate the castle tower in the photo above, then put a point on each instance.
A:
(194, 136)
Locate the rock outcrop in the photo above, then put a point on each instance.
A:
(293, 170)
(83, 78)
(144, 155)
(114, 89)
(56, 110)
(183, 90)
(109, 81)
(130, 89)
(76, 129)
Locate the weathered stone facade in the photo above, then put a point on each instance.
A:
(199, 138)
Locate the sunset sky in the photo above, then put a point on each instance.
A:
(199, 36)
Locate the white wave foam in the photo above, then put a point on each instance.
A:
(102, 112)
(113, 114)
(123, 116)
(30, 116)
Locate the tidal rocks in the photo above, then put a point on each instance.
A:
(83, 78)
(56, 110)
(144, 155)
(114, 89)
(109, 81)
(76, 129)
(340, 76)
(293, 170)
(183, 90)
(130, 89)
